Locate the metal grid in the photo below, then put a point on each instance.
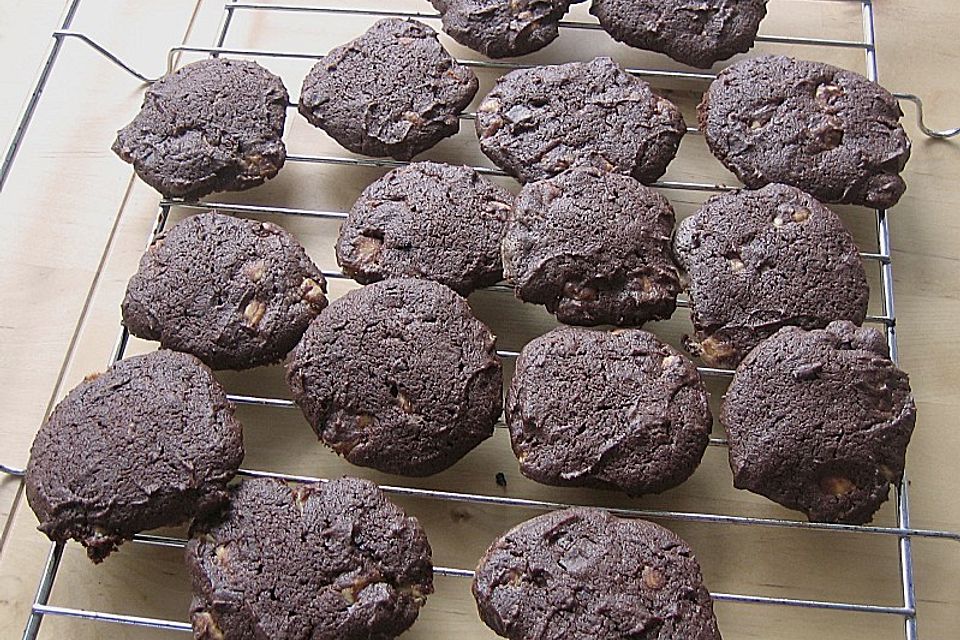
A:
(887, 319)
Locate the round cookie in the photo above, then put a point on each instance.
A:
(331, 561)
(828, 131)
(583, 574)
(398, 376)
(235, 293)
(594, 247)
(503, 28)
(540, 121)
(394, 91)
(756, 261)
(695, 33)
(213, 125)
(819, 421)
(607, 409)
(151, 442)
(427, 220)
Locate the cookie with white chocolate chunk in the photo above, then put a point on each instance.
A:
(584, 574)
(502, 28)
(235, 293)
(427, 220)
(394, 91)
(594, 247)
(826, 130)
(756, 261)
(331, 561)
(603, 409)
(819, 421)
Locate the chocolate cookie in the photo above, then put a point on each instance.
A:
(502, 28)
(427, 220)
(332, 561)
(235, 293)
(695, 33)
(213, 125)
(582, 574)
(819, 421)
(828, 131)
(760, 260)
(594, 247)
(611, 410)
(540, 121)
(152, 442)
(398, 376)
(394, 91)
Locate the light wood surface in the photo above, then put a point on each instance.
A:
(73, 222)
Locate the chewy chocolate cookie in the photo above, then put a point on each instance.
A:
(151, 442)
(398, 376)
(819, 421)
(583, 574)
(603, 409)
(828, 131)
(331, 561)
(594, 247)
(235, 293)
(502, 28)
(394, 91)
(696, 33)
(427, 220)
(759, 260)
(537, 122)
(213, 125)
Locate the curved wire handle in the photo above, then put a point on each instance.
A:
(940, 135)
(932, 133)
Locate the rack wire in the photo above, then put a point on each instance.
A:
(903, 532)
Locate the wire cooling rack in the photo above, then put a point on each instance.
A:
(903, 532)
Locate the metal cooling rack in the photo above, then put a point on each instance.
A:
(903, 531)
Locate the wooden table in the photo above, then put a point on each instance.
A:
(73, 222)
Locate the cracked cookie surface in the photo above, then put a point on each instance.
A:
(594, 248)
(604, 409)
(151, 442)
(394, 91)
(399, 376)
(502, 28)
(427, 220)
(330, 561)
(826, 130)
(540, 121)
(697, 33)
(235, 293)
(756, 261)
(582, 574)
(819, 421)
(213, 125)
